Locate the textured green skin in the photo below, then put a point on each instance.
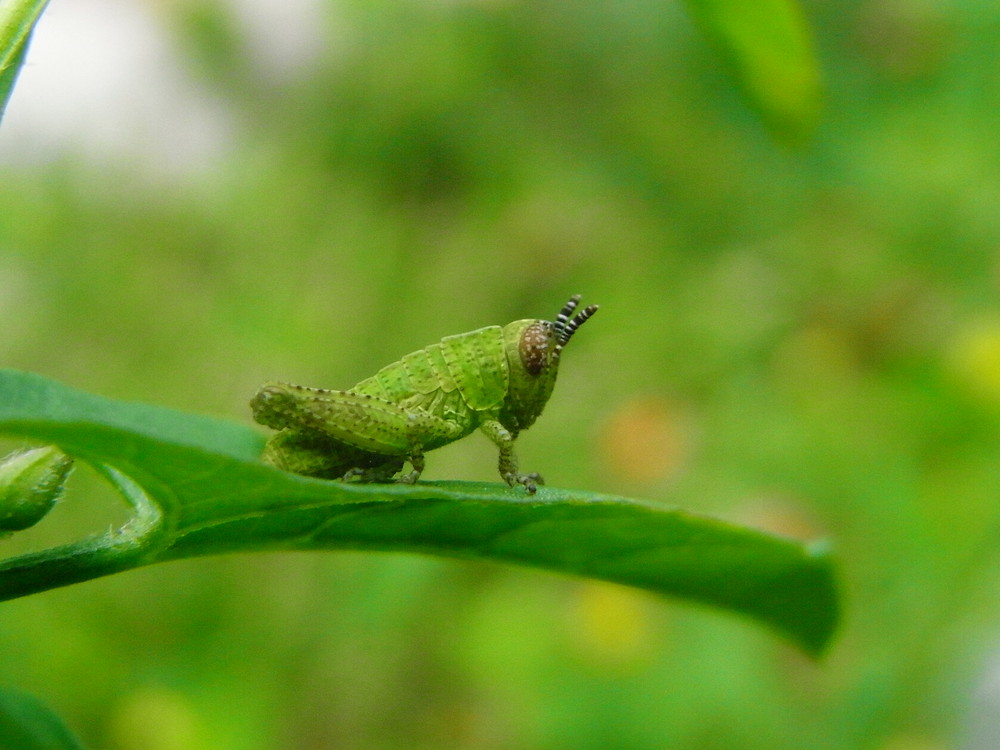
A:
(429, 398)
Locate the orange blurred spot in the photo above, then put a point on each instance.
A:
(645, 440)
(779, 515)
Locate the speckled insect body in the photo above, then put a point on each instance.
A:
(495, 379)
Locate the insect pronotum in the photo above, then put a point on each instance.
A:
(497, 379)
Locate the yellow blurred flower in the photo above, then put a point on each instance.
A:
(155, 718)
(612, 624)
(974, 360)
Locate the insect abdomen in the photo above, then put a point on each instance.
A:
(472, 363)
(421, 373)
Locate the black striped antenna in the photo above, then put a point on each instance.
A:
(565, 326)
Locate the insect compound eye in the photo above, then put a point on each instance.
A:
(534, 347)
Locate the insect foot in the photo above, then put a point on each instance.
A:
(530, 482)
(495, 379)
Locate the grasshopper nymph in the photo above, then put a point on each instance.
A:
(496, 378)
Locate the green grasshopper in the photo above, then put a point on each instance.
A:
(496, 378)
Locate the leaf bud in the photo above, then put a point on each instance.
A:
(30, 483)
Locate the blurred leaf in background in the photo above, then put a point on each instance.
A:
(799, 339)
(17, 19)
(27, 724)
(769, 44)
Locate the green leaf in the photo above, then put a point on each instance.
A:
(769, 44)
(28, 724)
(197, 489)
(17, 19)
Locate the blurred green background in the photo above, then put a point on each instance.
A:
(803, 339)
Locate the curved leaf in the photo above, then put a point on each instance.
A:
(197, 489)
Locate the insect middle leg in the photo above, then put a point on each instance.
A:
(375, 472)
(384, 471)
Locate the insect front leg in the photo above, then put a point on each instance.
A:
(504, 440)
